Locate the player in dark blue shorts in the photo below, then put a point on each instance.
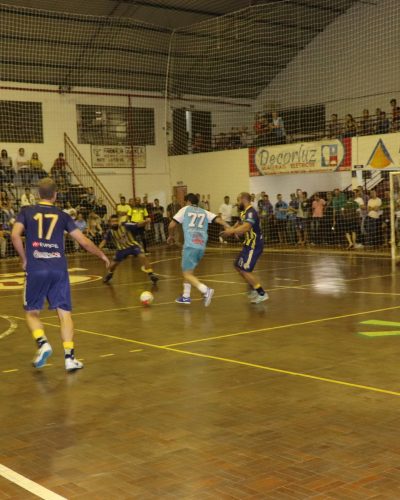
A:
(121, 235)
(43, 259)
(249, 226)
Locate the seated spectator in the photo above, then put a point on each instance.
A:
(198, 144)
(27, 198)
(23, 167)
(7, 215)
(94, 230)
(70, 210)
(235, 140)
(36, 166)
(4, 235)
(91, 197)
(59, 170)
(278, 129)
(260, 125)
(366, 124)
(6, 167)
(334, 127)
(81, 224)
(350, 126)
(221, 142)
(100, 209)
(382, 124)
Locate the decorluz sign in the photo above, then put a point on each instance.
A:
(118, 156)
(324, 156)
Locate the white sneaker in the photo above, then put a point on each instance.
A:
(72, 364)
(208, 296)
(260, 298)
(252, 295)
(42, 355)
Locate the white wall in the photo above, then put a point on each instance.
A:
(59, 116)
(357, 55)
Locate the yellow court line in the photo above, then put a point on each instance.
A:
(281, 327)
(377, 293)
(106, 355)
(10, 371)
(288, 372)
(245, 363)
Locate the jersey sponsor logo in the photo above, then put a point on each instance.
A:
(198, 239)
(15, 281)
(46, 255)
(41, 244)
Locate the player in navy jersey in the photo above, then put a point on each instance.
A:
(43, 259)
(249, 226)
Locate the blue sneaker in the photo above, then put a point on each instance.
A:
(208, 296)
(183, 300)
(42, 354)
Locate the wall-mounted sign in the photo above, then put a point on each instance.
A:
(118, 156)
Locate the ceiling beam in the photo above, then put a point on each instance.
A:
(160, 6)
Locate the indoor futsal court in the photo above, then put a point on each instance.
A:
(199, 249)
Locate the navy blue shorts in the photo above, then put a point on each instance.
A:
(247, 258)
(50, 285)
(121, 255)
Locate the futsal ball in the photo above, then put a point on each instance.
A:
(146, 298)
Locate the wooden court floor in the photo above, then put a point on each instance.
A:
(295, 399)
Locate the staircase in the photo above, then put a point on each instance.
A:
(83, 173)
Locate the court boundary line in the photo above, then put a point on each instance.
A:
(28, 485)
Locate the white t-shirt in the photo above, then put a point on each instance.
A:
(373, 208)
(360, 202)
(71, 212)
(226, 212)
(27, 200)
(21, 161)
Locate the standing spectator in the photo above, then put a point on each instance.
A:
(173, 208)
(278, 129)
(91, 197)
(59, 170)
(338, 203)
(334, 127)
(123, 209)
(366, 124)
(350, 126)
(373, 219)
(328, 227)
(158, 220)
(37, 170)
(361, 201)
(23, 167)
(385, 217)
(302, 219)
(6, 166)
(225, 212)
(265, 212)
(281, 212)
(81, 224)
(291, 218)
(254, 202)
(139, 215)
(94, 230)
(382, 124)
(351, 221)
(317, 207)
(27, 198)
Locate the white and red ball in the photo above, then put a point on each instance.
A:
(146, 298)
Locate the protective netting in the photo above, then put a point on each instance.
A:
(117, 93)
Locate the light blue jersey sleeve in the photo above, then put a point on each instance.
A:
(195, 221)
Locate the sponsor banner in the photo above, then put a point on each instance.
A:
(310, 157)
(118, 156)
(377, 152)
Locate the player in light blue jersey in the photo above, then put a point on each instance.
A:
(194, 221)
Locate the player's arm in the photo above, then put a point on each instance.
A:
(16, 238)
(237, 230)
(171, 231)
(89, 246)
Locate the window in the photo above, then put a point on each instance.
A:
(112, 125)
(21, 121)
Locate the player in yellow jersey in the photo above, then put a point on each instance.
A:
(121, 236)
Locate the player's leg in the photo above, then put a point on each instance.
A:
(67, 336)
(145, 265)
(118, 258)
(245, 264)
(191, 257)
(35, 292)
(44, 348)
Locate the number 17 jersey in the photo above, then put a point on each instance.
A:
(44, 226)
(195, 221)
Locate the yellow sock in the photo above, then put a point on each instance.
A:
(68, 345)
(149, 270)
(38, 333)
(257, 286)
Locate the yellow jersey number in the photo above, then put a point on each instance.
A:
(53, 221)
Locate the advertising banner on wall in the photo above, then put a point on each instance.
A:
(377, 152)
(331, 155)
(118, 156)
